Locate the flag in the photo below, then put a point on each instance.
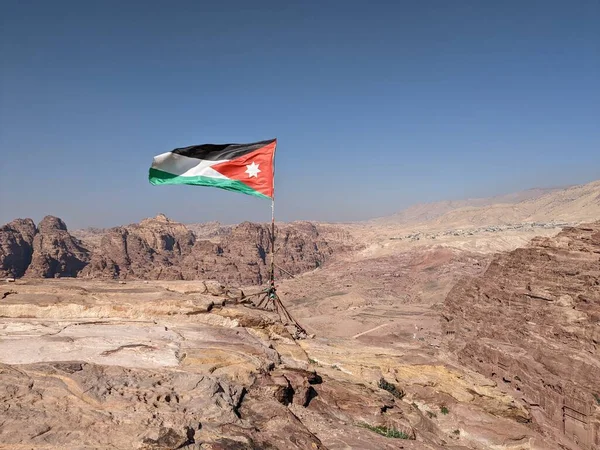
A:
(245, 168)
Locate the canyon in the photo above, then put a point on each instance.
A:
(459, 325)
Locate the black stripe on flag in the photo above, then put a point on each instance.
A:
(216, 152)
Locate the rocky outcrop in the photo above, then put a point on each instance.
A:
(16, 247)
(243, 256)
(148, 250)
(532, 322)
(46, 251)
(160, 249)
(91, 364)
(55, 252)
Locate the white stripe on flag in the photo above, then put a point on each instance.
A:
(185, 166)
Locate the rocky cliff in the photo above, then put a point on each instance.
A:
(161, 249)
(55, 252)
(532, 322)
(147, 250)
(300, 247)
(16, 247)
(46, 251)
(93, 364)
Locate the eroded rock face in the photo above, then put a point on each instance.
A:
(532, 322)
(93, 364)
(243, 256)
(160, 249)
(147, 250)
(16, 247)
(55, 251)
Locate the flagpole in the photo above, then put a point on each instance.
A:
(270, 294)
(272, 274)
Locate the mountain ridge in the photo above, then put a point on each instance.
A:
(577, 203)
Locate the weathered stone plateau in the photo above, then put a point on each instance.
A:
(532, 322)
(88, 364)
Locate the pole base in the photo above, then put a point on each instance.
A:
(269, 300)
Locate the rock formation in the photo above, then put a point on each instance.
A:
(91, 364)
(55, 251)
(242, 256)
(532, 322)
(161, 249)
(16, 247)
(147, 250)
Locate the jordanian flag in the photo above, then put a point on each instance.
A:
(245, 168)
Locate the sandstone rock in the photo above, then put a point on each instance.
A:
(16, 247)
(55, 251)
(99, 364)
(148, 250)
(47, 251)
(530, 322)
(161, 249)
(214, 288)
(301, 382)
(243, 256)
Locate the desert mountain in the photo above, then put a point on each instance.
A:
(55, 251)
(44, 252)
(424, 338)
(572, 204)
(160, 365)
(424, 212)
(160, 248)
(16, 247)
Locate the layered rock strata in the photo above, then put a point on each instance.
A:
(161, 249)
(91, 364)
(532, 323)
(16, 247)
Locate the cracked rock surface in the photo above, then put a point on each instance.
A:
(532, 323)
(160, 365)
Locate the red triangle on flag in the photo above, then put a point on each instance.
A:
(254, 169)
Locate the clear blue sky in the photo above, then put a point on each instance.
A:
(376, 105)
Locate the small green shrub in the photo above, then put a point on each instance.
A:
(444, 410)
(387, 432)
(597, 397)
(391, 388)
(457, 432)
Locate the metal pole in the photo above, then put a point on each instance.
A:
(271, 294)
(272, 274)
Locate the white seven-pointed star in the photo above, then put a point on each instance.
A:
(252, 170)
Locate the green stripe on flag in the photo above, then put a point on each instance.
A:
(158, 177)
